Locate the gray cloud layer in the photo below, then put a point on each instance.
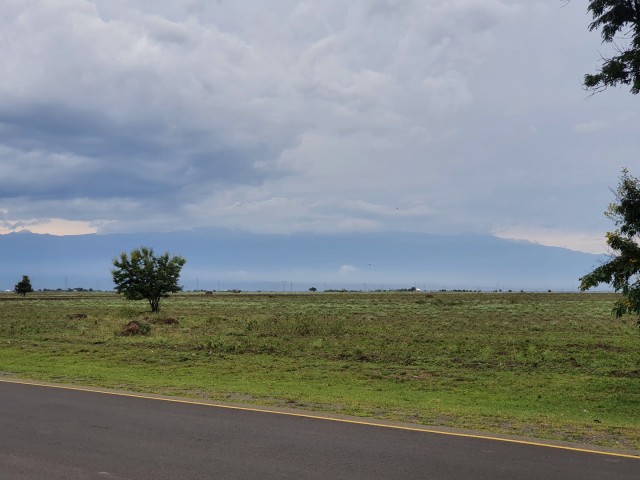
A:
(283, 116)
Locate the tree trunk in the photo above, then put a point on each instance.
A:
(155, 304)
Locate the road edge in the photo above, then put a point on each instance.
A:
(589, 449)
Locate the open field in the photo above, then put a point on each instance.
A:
(548, 365)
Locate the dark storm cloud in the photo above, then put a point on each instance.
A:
(114, 159)
(127, 104)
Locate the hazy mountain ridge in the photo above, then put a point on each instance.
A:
(224, 259)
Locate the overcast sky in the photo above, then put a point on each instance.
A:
(281, 116)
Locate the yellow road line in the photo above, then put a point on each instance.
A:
(319, 417)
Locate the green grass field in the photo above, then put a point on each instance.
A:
(547, 365)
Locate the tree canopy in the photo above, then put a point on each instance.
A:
(619, 24)
(141, 275)
(23, 286)
(622, 271)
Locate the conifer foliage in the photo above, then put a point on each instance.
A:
(23, 286)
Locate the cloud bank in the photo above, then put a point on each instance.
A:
(297, 116)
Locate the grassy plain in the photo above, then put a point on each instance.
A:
(549, 365)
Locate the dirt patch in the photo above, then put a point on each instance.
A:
(136, 328)
(623, 374)
(161, 321)
(608, 348)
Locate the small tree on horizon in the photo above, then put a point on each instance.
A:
(23, 286)
(141, 275)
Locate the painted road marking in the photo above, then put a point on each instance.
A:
(319, 417)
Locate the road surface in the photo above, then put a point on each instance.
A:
(54, 433)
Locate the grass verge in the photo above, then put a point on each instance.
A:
(555, 366)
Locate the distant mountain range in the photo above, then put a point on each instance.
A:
(223, 259)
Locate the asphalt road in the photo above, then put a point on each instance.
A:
(51, 433)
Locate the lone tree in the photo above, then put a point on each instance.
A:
(141, 275)
(23, 286)
(622, 271)
(619, 22)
